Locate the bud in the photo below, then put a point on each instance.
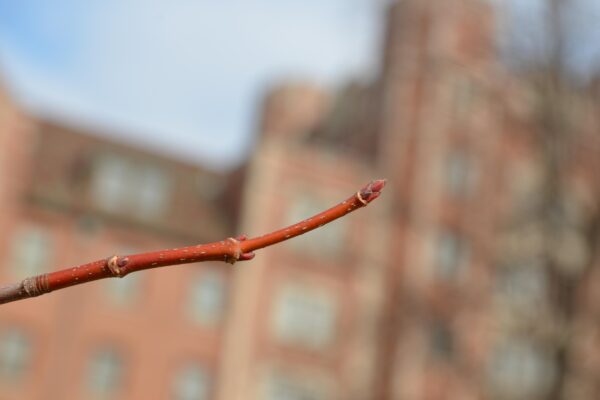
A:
(372, 190)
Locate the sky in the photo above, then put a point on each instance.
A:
(528, 37)
(183, 77)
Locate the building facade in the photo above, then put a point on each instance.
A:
(68, 198)
(306, 311)
(429, 294)
(469, 299)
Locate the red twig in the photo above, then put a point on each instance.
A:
(229, 250)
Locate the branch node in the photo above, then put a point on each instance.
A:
(114, 267)
(236, 253)
(36, 285)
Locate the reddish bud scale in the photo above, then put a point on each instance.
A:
(372, 190)
(229, 250)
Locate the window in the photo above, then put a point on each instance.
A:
(525, 179)
(325, 241)
(111, 184)
(305, 317)
(122, 185)
(105, 372)
(191, 383)
(286, 387)
(521, 370)
(153, 189)
(464, 91)
(122, 292)
(452, 255)
(15, 355)
(442, 340)
(207, 298)
(31, 251)
(458, 176)
(522, 287)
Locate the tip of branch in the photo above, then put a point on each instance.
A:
(372, 190)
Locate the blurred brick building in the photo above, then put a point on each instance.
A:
(297, 323)
(68, 197)
(432, 123)
(452, 299)
(404, 300)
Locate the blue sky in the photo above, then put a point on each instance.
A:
(580, 23)
(181, 76)
(185, 76)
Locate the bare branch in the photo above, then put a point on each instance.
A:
(229, 250)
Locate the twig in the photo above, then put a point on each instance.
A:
(229, 250)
